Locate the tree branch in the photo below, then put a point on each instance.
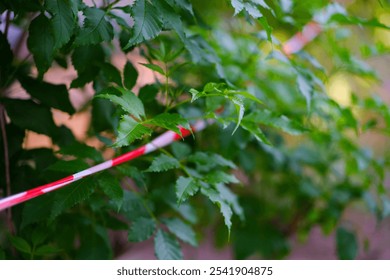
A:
(6, 163)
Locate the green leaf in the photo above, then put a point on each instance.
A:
(112, 188)
(133, 173)
(224, 207)
(185, 187)
(154, 67)
(81, 150)
(68, 166)
(170, 122)
(232, 199)
(163, 163)
(207, 161)
(55, 96)
(218, 176)
(166, 247)
(306, 88)
(36, 210)
(170, 18)
(141, 229)
(239, 105)
(128, 101)
(63, 21)
(182, 4)
(130, 75)
(269, 118)
(147, 23)
(129, 130)
(134, 206)
(347, 246)
(255, 130)
(236, 97)
(111, 73)
(41, 43)
(72, 195)
(87, 60)
(47, 249)
(148, 93)
(181, 230)
(43, 122)
(20, 244)
(268, 29)
(95, 28)
(250, 6)
(38, 236)
(346, 19)
(180, 150)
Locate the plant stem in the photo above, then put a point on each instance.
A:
(6, 163)
(179, 104)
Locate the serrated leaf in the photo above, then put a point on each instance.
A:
(207, 161)
(182, 4)
(250, 6)
(181, 230)
(163, 163)
(170, 18)
(41, 43)
(185, 187)
(72, 195)
(128, 101)
(129, 130)
(224, 207)
(63, 20)
(112, 188)
(95, 29)
(347, 246)
(232, 199)
(269, 118)
(55, 96)
(219, 176)
(133, 206)
(147, 23)
(141, 229)
(133, 173)
(130, 75)
(255, 130)
(20, 244)
(170, 122)
(43, 121)
(166, 247)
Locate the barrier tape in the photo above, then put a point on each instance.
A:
(295, 44)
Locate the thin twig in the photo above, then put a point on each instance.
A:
(6, 163)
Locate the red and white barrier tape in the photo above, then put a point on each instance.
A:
(161, 141)
(295, 44)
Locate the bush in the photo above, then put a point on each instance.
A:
(279, 156)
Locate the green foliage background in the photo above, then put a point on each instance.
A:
(281, 158)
